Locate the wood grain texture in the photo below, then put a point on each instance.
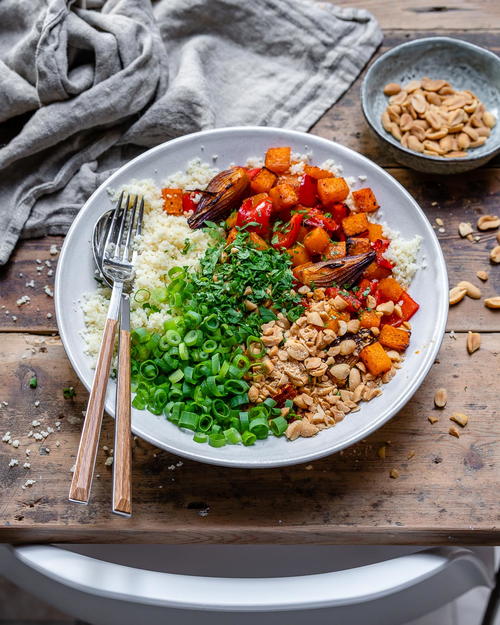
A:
(91, 431)
(122, 464)
(446, 492)
(422, 14)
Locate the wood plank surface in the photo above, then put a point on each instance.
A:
(447, 491)
(422, 14)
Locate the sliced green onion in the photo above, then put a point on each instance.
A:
(233, 437)
(236, 386)
(205, 423)
(217, 440)
(141, 296)
(259, 427)
(200, 437)
(173, 337)
(248, 438)
(188, 420)
(278, 426)
(176, 376)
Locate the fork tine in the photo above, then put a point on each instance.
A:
(139, 218)
(126, 248)
(111, 226)
(122, 220)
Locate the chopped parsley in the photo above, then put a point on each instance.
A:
(187, 246)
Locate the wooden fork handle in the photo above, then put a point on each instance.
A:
(122, 463)
(87, 450)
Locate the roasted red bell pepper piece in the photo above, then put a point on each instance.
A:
(315, 217)
(408, 307)
(187, 201)
(259, 215)
(288, 238)
(251, 173)
(339, 211)
(380, 246)
(367, 287)
(307, 191)
(353, 303)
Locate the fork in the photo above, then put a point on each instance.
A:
(117, 267)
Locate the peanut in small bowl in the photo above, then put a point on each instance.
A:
(465, 67)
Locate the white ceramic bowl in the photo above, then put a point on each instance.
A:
(234, 145)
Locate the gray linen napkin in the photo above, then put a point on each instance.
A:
(83, 90)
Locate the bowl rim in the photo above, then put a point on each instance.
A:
(389, 138)
(434, 341)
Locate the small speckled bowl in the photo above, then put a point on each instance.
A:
(464, 65)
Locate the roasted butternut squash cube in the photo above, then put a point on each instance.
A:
(290, 179)
(231, 236)
(374, 272)
(369, 319)
(332, 190)
(263, 181)
(283, 196)
(172, 201)
(317, 172)
(354, 224)
(357, 245)
(375, 359)
(375, 232)
(390, 289)
(316, 240)
(278, 159)
(365, 200)
(298, 254)
(258, 241)
(335, 249)
(298, 271)
(394, 338)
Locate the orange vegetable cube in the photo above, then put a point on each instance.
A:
(357, 245)
(374, 272)
(283, 196)
(333, 324)
(369, 319)
(231, 220)
(375, 359)
(316, 240)
(290, 179)
(335, 249)
(317, 172)
(354, 224)
(375, 232)
(258, 241)
(278, 159)
(263, 181)
(298, 271)
(260, 197)
(365, 200)
(172, 201)
(231, 236)
(298, 254)
(332, 190)
(302, 234)
(394, 338)
(390, 289)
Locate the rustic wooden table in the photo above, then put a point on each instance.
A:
(448, 488)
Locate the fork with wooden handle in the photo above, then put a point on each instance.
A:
(117, 268)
